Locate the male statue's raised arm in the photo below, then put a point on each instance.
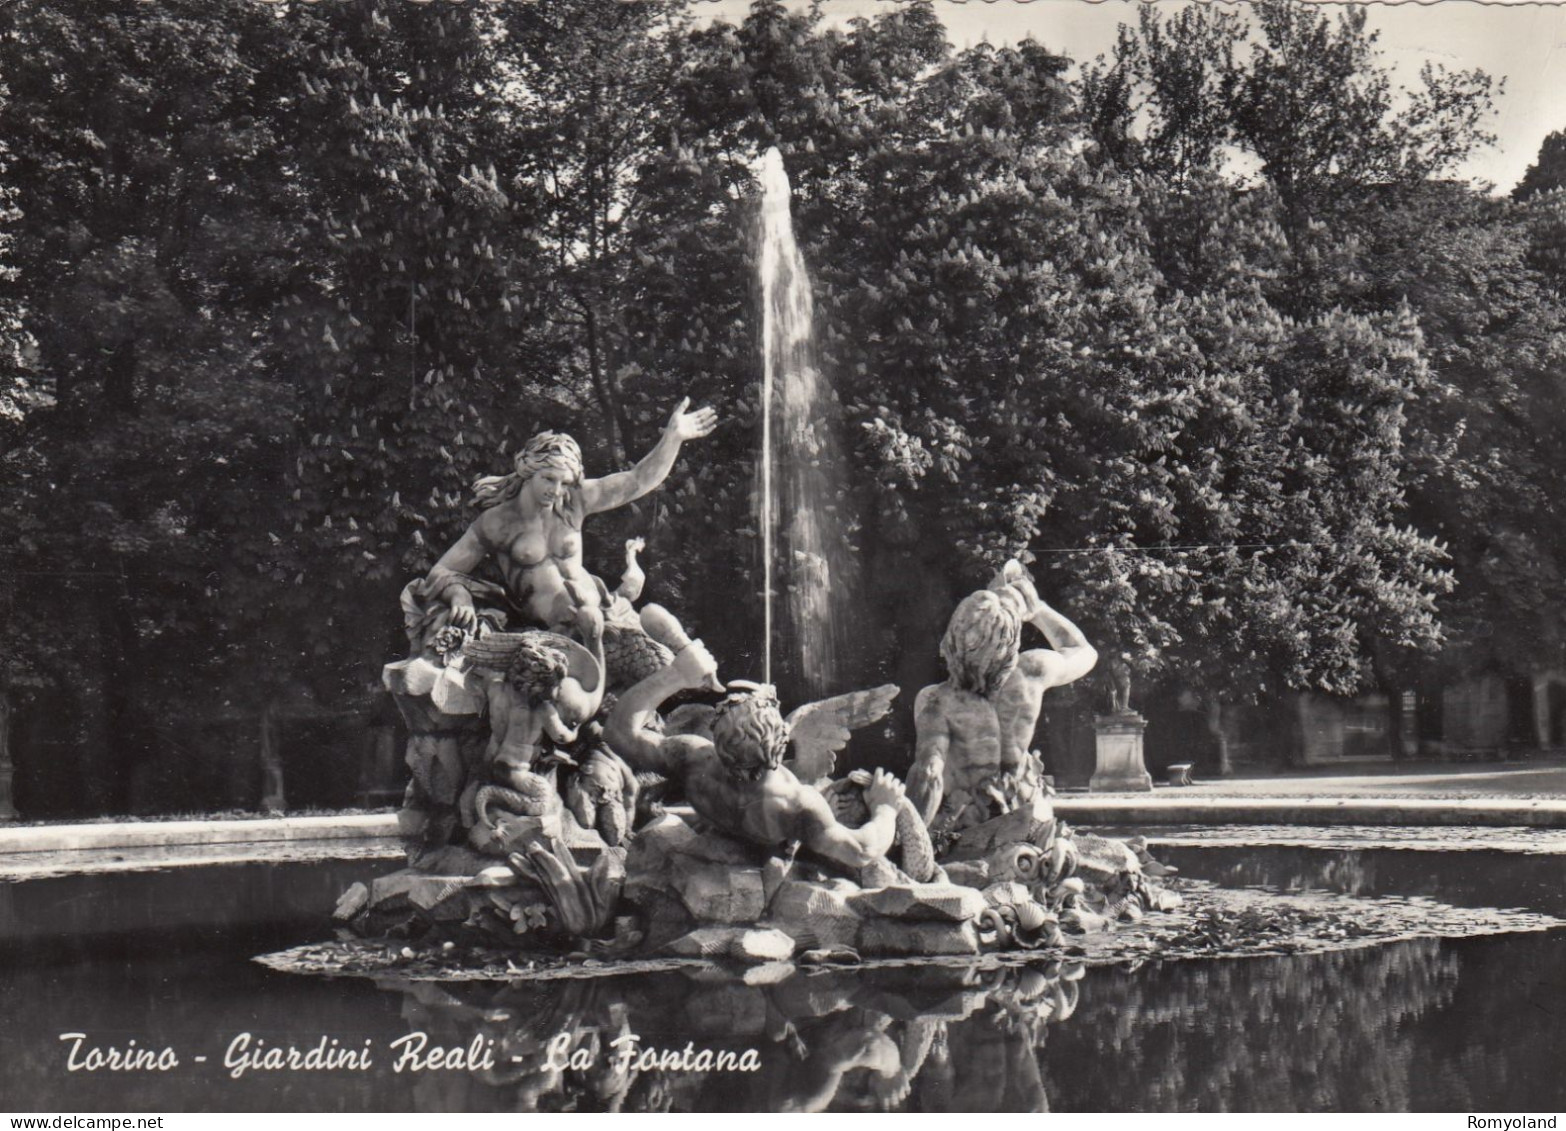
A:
(974, 756)
(1069, 656)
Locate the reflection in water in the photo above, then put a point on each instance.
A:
(1464, 879)
(1322, 1032)
(1315, 1033)
(933, 1039)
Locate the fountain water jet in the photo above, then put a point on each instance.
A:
(798, 462)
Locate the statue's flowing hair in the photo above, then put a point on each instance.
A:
(547, 450)
(749, 733)
(982, 641)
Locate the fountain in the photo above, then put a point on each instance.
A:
(799, 463)
(564, 809)
(538, 755)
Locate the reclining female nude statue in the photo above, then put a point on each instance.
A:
(530, 531)
(476, 707)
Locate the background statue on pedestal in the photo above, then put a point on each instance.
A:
(1120, 685)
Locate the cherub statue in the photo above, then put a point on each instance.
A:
(538, 689)
(734, 776)
(974, 732)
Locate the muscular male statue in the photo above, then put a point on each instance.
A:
(973, 732)
(736, 779)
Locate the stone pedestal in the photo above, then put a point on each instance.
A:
(1120, 766)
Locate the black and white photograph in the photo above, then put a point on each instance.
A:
(775, 556)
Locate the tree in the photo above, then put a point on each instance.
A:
(20, 397)
(312, 269)
(1548, 172)
(1493, 480)
(134, 149)
(21, 392)
(1352, 215)
(1303, 96)
(394, 329)
(690, 235)
(1166, 104)
(592, 104)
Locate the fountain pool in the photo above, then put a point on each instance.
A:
(163, 957)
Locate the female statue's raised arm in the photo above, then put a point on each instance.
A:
(623, 487)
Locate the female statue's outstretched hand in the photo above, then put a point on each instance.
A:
(690, 425)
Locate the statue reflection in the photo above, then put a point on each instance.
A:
(927, 1038)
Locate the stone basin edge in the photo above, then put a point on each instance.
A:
(1537, 813)
(1105, 809)
(156, 834)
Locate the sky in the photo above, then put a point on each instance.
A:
(1525, 42)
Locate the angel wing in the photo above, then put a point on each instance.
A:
(496, 649)
(819, 730)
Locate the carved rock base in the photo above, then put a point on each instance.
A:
(1102, 860)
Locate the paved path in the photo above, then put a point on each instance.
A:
(1543, 778)
(1517, 794)
(1189, 807)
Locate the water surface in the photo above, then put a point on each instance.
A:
(163, 958)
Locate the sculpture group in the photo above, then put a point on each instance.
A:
(553, 804)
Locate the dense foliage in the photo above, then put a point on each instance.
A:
(1264, 407)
